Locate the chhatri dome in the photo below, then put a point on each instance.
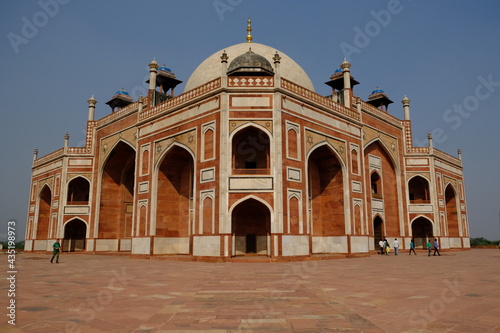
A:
(210, 68)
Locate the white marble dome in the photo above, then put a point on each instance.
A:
(210, 68)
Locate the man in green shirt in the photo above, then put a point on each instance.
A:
(56, 249)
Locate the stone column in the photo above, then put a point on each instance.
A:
(66, 140)
(406, 107)
(431, 147)
(92, 102)
(35, 155)
(140, 100)
(277, 74)
(223, 61)
(153, 66)
(347, 82)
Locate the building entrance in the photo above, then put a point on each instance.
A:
(421, 230)
(74, 236)
(250, 228)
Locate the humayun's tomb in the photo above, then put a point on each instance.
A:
(247, 161)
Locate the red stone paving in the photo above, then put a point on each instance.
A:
(457, 292)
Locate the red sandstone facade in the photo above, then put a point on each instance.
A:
(247, 161)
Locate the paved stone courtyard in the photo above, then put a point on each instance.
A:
(456, 292)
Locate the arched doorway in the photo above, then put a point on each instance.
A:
(451, 211)
(117, 193)
(250, 152)
(418, 190)
(44, 212)
(78, 191)
(250, 225)
(421, 230)
(378, 231)
(175, 194)
(376, 185)
(326, 193)
(75, 232)
(384, 190)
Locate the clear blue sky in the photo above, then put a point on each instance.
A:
(441, 54)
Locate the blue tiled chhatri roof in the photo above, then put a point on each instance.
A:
(378, 90)
(163, 68)
(121, 92)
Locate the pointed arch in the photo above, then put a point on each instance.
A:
(208, 143)
(208, 217)
(75, 234)
(251, 196)
(251, 226)
(294, 213)
(116, 197)
(376, 184)
(378, 158)
(174, 188)
(378, 229)
(354, 161)
(422, 229)
(44, 212)
(76, 218)
(395, 164)
(419, 190)
(41, 188)
(334, 150)
(250, 150)
(292, 142)
(107, 156)
(326, 177)
(357, 218)
(78, 191)
(168, 149)
(451, 206)
(142, 228)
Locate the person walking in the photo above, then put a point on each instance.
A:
(56, 249)
(412, 247)
(436, 247)
(381, 245)
(387, 248)
(429, 247)
(395, 245)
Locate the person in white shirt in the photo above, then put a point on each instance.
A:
(395, 245)
(382, 246)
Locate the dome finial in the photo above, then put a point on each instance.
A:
(249, 31)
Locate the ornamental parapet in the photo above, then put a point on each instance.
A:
(446, 157)
(324, 101)
(79, 150)
(368, 108)
(129, 109)
(49, 157)
(183, 98)
(418, 150)
(250, 81)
